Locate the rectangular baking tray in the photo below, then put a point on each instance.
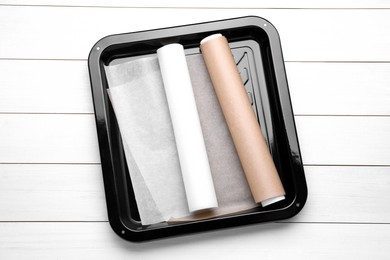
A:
(256, 47)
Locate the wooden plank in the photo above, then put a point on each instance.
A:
(271, 241)
(75, 193)
(208, 4)
(72, 139)
(41, 86)
(37, 192)
(339, 88)
(306, 35)
(52, 86)
(48, 139)
(346, 194)
(344, 140)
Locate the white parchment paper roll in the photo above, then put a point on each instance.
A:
(193, 159)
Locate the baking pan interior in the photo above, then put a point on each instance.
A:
(252, 49)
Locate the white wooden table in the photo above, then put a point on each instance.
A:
(52, 203)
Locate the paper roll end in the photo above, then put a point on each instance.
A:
(201, 207)
(273, 200)
(170, 46)
(210, 37)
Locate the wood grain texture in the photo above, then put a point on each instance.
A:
(56, 86)
(41, 86)
(344, 140)
(44, 192)
(52, 138)
(270, 241)
(346, 194)
(39, 192)
(324, 140)
(52, 201)
(306, 35)
(208, 4)
(339, 88)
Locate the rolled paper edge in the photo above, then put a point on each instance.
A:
(210, 37)
(169, 46)
(272, 200)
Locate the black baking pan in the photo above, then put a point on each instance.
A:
(257, 50)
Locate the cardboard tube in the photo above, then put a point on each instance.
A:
(252, 149)
(194, 164)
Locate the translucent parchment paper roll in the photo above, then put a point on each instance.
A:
(252, 149)
(193, 159)
(137, 94)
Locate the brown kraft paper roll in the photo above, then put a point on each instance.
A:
(252, 149)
